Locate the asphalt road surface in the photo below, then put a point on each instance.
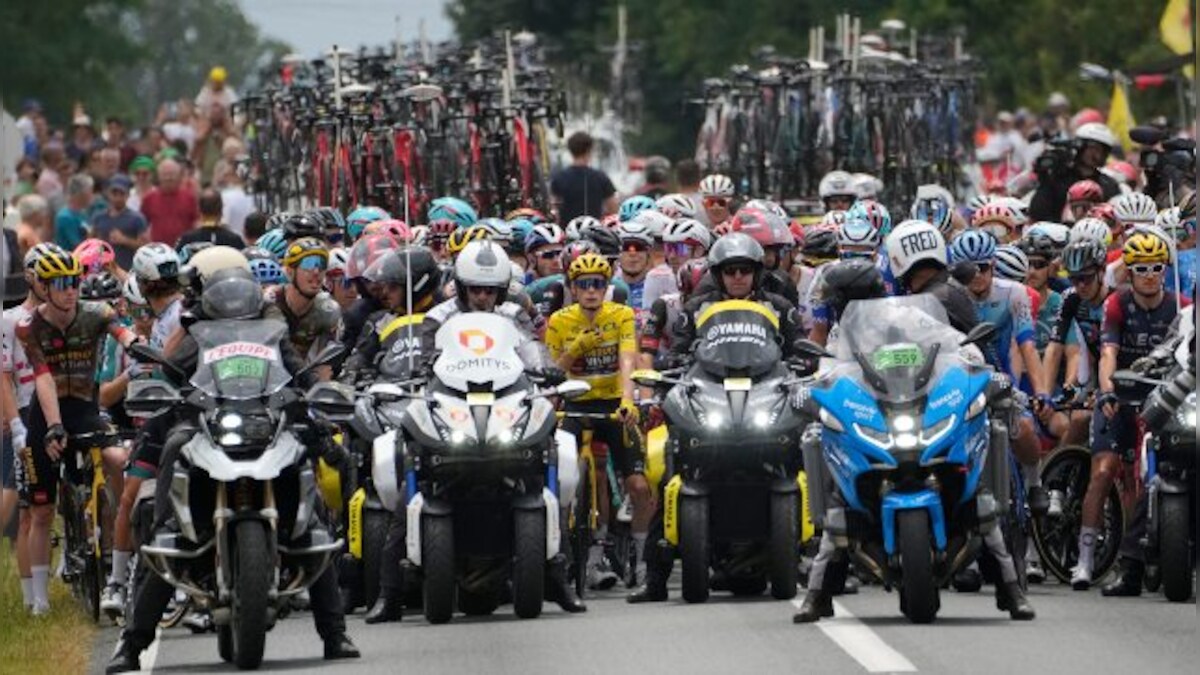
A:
(1074, 633)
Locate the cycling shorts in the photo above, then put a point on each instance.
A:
(38, 482)
(624, 445)
(1118, 435)
(146, 457)
(8, 457)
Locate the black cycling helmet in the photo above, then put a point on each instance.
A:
(820, 244)
(303, 225)
(606, 241)
(1039, 245)
(102, 286)
(330, 217)
(853, 279)
(399, 265)
(232, 293)
(1082, 255)
(256, 253)
(732, 248)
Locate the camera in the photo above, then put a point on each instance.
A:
(1057, 159)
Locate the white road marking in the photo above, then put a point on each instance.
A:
(861, 643)
(150, 656)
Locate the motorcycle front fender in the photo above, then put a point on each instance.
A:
(286, 451)
(904, 501)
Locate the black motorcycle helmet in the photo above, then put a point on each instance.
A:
(303, 225)
(232, 293)
(397, 266)
(849, 280)
(102, 286)
(735, 247)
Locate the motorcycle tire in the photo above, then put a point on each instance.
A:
(254, 572)
(529, 562)
(225, 643)
(783, 545)
(693, 547)
(375, 530)
(917, 588)
(437, 561)
(1175, 562)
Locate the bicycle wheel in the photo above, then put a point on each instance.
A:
(90, 576)
(1068, 470)
(581, 527)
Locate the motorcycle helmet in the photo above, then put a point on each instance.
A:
(483, 263)
(735, 247)
(231, 293)
(912, 242)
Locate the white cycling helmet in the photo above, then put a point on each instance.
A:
(1096, 133)
(1090, 229)
(1134, 208)
(676, 205)
(420, 235)
(837, 184)
(868, 186)
(655, 221)
(635, 230)
(716, 185)
(338, 258)
(155, 261)
(578, 224)
(1011, 263)
(1168, 221)
(857, 235)
(1057, 233)
(979, 201)
(132, 292)
(935, 191)
(911, 242)
(688, 231)
(483, 263)
(833, 218)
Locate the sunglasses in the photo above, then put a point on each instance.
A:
(550, 254)
(716, 201)
(482, 290)
(737, 271)
(983, 267)
(1082, 278)
(591, 284)
(333, 236)
(1039, 264)
(1148, 269)
(678, 248)
(65, 283)
(312, 263)
(634, 247)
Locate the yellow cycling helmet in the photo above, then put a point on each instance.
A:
(463, 236)
(55, 264)
(303, 248)
(1144, 247)
(589, 263)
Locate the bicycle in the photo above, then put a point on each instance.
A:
(85, 505)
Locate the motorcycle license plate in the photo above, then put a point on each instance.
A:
(737, 384)
(481, 398)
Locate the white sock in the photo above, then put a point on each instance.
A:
(639, 543)
(120, 567)
(1087, 546)
(1031, 474)
(41, 585)
(27, 591)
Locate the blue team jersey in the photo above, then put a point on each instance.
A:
(1187, 274)
(890, 282)
(1006, 306)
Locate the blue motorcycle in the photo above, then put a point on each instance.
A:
(905, 438)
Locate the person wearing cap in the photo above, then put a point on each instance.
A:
(141, 170)
(216, 90)
(119, 225)
(83, 140)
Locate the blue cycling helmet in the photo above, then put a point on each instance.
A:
(497, 230)
(454, 210)
(873, 212)
(267, 272)
(973, 246)
(521, 228)
(633, 206)
(359, 218)
(934, 210)
(273, 242)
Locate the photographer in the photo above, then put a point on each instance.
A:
(1063, 164)
(1168, 163)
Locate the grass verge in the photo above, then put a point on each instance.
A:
(59, 643)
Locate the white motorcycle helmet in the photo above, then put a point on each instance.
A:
(483, 263)
(911, 242)
(1096, 133)
(837, 184)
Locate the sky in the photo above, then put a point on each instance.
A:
(312, 26)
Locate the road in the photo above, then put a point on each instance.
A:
(1074, 633)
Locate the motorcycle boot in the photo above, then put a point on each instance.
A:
(389, 607)
(559, 589)
(1129, 582)
(339, 646)
(124, 658)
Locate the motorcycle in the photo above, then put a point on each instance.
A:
(243, 495)
(732, 502)
(905, 436)
(476, 462)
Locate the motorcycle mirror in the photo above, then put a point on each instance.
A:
(146, 354)
(332, 352)
(573, 389)
(810, 348)
(385, 391)
(981, 331)
(1127, 379)
(147, 398)
(332, 400)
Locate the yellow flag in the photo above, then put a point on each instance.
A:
(1176, 26)
(1120, 119)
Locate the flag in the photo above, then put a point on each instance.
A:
(1176, 28)
(1120, 119)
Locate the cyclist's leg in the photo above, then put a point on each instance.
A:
(1105, 441)
(598, 574)
(41, 491)
(625, 446)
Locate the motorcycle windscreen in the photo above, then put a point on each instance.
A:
(737, 337)
(239, 359)
(897, 343)
(478, 349)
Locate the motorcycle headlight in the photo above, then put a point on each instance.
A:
(880, 439)
(230, 438)
(715, 421)
(1185, 416)
(977, 406)
(230, 421)
(830, 421)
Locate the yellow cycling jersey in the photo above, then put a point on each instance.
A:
(600, 366)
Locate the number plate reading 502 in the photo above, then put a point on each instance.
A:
(898, 356)
(240, 367)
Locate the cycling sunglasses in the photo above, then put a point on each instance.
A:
(65, 283)
(1148, 269)
(634, 247)
(312, 263)
(1039, 263)
(678, 248)
(333, 236)
(550, 255)
(983, 267)
(590, 283)
(737, 271)
(716, 201)
(1082, 277)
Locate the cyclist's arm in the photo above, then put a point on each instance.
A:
(119, 331)
(1026, 337)
(43, 379)
(1110, 332)
(556, 342)
(8, 400)
(1108, 366)
(627, 354)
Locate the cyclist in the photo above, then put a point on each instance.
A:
(543, 250)
(337, 283)
(819, 248)
(637, 245)
(660, 278)
(359, 218)
(716, 196)
(654, 337)
(62, 340)
(1081, 197)
(312, 316)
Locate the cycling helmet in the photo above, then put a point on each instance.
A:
(1145, 247)
(497, 230)
(978, 201)
(633, 206)
(155, 261)
(1038, 243)
(94, 255)
(873, 212)
(611, 221)
(837, 184)
(338, 258)
(820, 244)
(276, 221)
(1092, 229)
(132, 292)
(267, 271)
(1105, 212)
(256, 253)
(213, 259)
(231, 293)
(833, 219)
(190, 249)
(1085, 191)
(690, 274)
(755, 223)
(1168, 221)
(100, 286)
(575, 249)
(1134, 208)
(676, 205)
(914, 241)
(399, 266)
(867, 186)
(767, 205)
(735, 247)
(303, 225)
(635, 230)
(848, 280)
(688, 231)
(439, 230)
(797, 230)
(454, 210)
(654, 221)
(359, 218)
(1096, 132)
(306, 247)
(577, 224)
(34, 254)
(998, 213)
(1083, 255)
(858, 237)
(521, 227)
(532, 215)
(607, 241)
(460, 238)
(716, 185)
(1057, 233)
(274, 242)
(935, 210)
(482, 263)
(544, 234)
(366, 251)
(935, 191)
(1011, 263)
(396, 229)
(331, 217)
(974, 246)
(589, 264)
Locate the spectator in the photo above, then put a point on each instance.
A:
(215, 129)
(237, 203)
(216, 91)
(120, 225)
(149, 141)
(211, 229)
(106, 165)
(177, 124)
(657, 175)
(31, 112)
(27, 175)
(83, 139)
(36, 225)
(579, 189)
(70, 224)
(170, 208)
(256, 226)
(687, 177)
(1093, 143)
(49, 183)
(115, 137)
(142, 169)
